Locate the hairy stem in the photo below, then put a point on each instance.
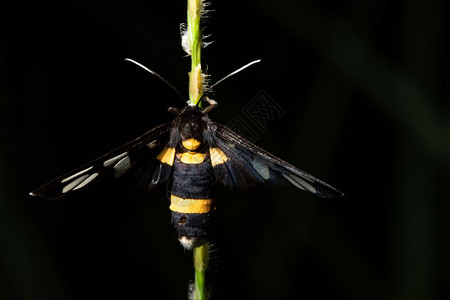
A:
(195, 44)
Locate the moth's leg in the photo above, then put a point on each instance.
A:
(174, 111)
(212, 104)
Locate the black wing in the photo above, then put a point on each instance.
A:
(239, 164)
(134, 162)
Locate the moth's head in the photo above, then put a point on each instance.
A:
(191, 110)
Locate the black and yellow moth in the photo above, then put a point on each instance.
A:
(191, 154)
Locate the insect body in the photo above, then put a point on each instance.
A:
(193, 153)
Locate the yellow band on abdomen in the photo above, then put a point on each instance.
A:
(191, 157)
(190, 206)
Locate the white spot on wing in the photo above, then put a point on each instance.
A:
(73, 184)
(122, 166)
(156, 180)
(113, 160)
(300, 183)
(88, 180)
(261, 168)
(75, 175)
(291, 180)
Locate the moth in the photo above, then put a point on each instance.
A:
(190, 154)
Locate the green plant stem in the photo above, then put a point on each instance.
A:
(195, 45)
(201, 260)
(200, 292)
(195, 36)
(194, 15)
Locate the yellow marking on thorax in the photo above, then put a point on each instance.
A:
(167, 156)
(190, 206)
(191, 157)
(217, 156)
(191, 144)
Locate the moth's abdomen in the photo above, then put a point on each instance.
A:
(193, 229)
(192, 201)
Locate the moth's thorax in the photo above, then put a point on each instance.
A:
(191, 128)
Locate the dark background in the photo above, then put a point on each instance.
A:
(365, 90)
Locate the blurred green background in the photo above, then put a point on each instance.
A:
(365, 90)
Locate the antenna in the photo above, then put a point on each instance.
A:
(226, 77)
(232, 73)
(157, 75)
